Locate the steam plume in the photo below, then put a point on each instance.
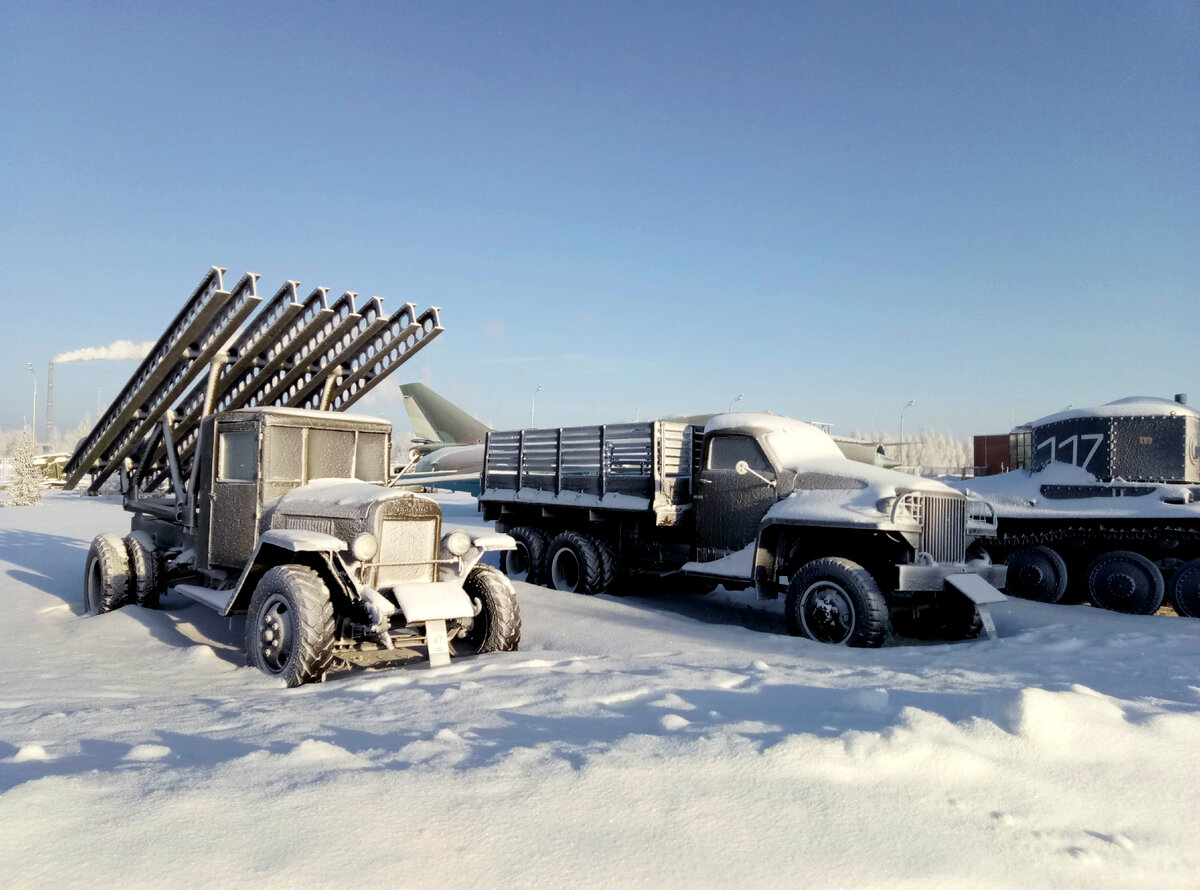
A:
(122, 349)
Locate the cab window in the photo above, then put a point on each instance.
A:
(370, 462)
(724, 452)
(238, 456)
(330, 454)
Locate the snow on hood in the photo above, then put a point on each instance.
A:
(1134, 406)
(1018, 494)
(849, 505)
(343, 494)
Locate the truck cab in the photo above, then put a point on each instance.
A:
(247, 460)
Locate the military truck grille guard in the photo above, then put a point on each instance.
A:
(943, 524)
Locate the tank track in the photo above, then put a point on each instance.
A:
(1056, 533)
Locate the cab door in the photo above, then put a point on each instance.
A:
(234, 503)
(729, 505)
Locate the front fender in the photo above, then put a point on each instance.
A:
(283, 546)
(299, 540)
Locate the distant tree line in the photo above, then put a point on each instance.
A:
(927, 449)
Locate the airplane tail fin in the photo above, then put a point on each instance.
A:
(439, 420)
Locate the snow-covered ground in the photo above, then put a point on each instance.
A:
(648, 742)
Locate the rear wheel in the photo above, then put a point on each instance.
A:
(1185, 589)
(146, 576)
(528, 561)
(106, 575)
(1124, 581)
(579, 564)
(496, 626)
(1036, 573)
(289, 626)
(835, 600)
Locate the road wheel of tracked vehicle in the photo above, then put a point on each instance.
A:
(289, 626)
(146, 576)
(579, 564)
(834, 600)
(1124, 581)
(106, 575)
(497, 623)
(1185, 589)
(528, 562)
(1036, 573)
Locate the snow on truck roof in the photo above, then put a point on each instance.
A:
(307, 414)
(792, 440)
(1133, 406)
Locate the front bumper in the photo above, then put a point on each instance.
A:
(934, 577)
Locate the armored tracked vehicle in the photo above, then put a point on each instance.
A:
(1105, 506)
(253, 493)
(744, 500)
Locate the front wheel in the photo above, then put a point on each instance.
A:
(289, 626)
(496, 626)
(106, 575)
(834, 600)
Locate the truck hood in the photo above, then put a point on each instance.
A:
(338, 497)
(838, 491)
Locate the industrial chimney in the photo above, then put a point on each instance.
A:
(49, 403)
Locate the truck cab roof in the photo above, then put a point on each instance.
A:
(333, 419)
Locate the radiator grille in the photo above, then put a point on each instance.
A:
(407, 541)
(943, 526)
(308, 524)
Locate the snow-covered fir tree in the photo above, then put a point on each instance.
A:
(26, 486)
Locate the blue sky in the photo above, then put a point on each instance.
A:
(992, 209)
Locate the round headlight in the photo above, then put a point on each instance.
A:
(457, 542)
(364, 546)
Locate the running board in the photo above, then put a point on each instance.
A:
(217, 600)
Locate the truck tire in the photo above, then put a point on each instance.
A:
(577, 563)
(1036, 573)
(834, 600)
(289, 625)
(106, 575)
(1185, 589)
(1124, 581)
(497, 623)
(528, 562)
(146, 576)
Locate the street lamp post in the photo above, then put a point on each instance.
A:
(735, 401)
(533, 404)
(33, 434)
(907, 405)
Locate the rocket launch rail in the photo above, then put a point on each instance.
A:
(293, 353)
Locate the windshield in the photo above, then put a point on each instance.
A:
(793, 446)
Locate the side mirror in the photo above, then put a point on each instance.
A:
(742, 468)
